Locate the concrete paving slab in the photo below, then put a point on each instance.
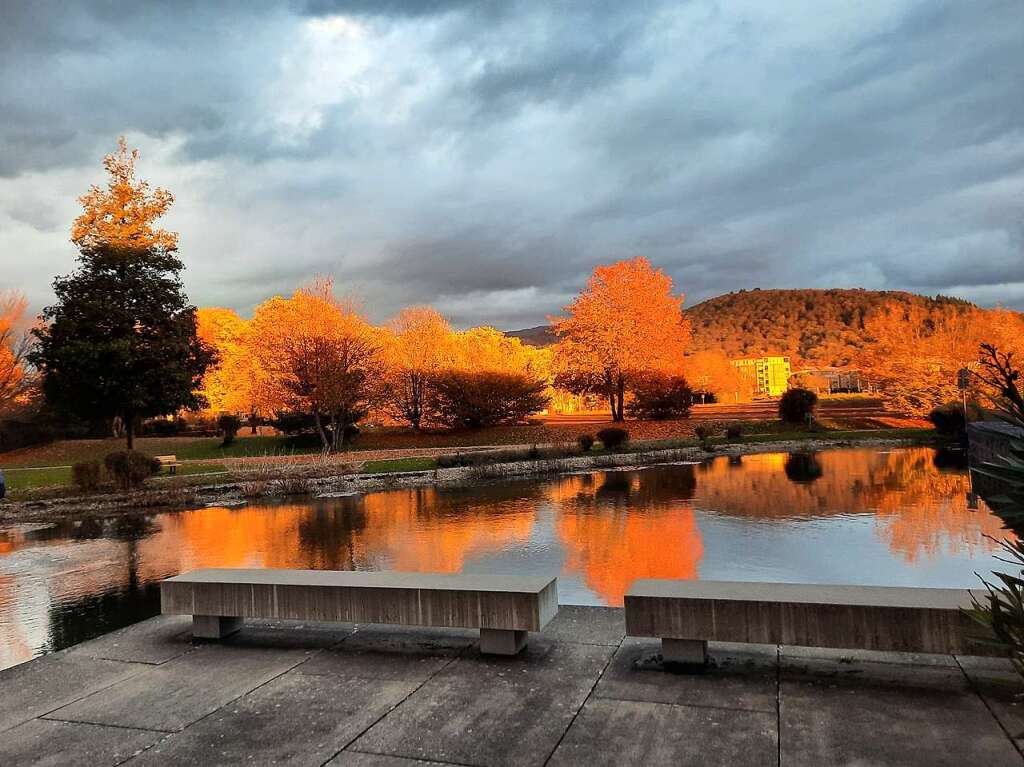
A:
(42, 743)
(789, 652)
(591, 625)
(391, 653)
(293, 720)
(485, 711)
(614, 732)
(292, 635)
(541, 662)
(1001, 688)
(35, 688)
(879, 713)
(155, 641)
(738, 677)
(171, 696)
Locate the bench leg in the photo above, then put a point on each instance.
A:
(214, 626)
(691, 652)
(501, 641)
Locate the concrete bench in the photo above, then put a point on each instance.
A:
(169, 462)
(504, 608)
(686, 614)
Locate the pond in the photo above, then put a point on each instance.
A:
(862, 516)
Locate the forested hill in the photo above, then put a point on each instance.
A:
(815, 327)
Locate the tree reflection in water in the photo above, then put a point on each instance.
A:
(63, 582)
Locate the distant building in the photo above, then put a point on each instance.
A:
(769, 374)
(831, 379)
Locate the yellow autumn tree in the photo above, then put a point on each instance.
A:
(230, 385)
(418, 345)
(316, 356)
(626, 323)
(122, 215)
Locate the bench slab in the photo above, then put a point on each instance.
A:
(856, 617)
(488, 602)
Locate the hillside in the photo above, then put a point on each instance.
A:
(815, 327)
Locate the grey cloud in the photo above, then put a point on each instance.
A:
(487, 155)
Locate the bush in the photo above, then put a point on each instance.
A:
(734, 431)
(796, 405)
(162, 427)
(475, 400)
(949, 420)
(702, 432)
(229, 426)
(613, 437)
(585, 441)
(130, 468)
(87, 475)
(659, 397)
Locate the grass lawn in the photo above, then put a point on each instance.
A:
(399, 464)
(59, 476)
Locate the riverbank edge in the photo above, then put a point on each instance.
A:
(342, 484)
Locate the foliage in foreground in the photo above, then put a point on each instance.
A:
(1001, 610)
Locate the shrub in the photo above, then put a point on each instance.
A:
(796, 404)
(659, 397)
(702, 432)
(87, 475)
(1000, 610)
(613, 437)
(734, 431)
(949, 420)
(130, 468)
(229, 426)
(585, 441)
(475, 400)
(162, 427)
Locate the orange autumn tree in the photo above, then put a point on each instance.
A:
(122, 215)
(316, 356)
(418, 346)
(626, 323)
(913, 353)
(711, 372)
(16, 380)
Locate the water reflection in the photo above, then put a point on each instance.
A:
(870, 516)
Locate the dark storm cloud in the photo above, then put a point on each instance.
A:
(486, 155)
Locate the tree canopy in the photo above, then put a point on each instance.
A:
(625, 323)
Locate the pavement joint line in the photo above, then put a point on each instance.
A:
(412, 692)
(46, 714)
(415, 758)
(49, 718)
(778, 705)
(985, 703)
(586, 700)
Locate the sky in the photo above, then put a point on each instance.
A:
(483, 157)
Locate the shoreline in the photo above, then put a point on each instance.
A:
(186, 498)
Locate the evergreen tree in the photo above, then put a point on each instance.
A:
(121, 340)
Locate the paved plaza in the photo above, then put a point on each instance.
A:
(580, 694)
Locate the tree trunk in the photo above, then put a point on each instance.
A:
(320, 431)
(252, 422)
(621, 395)
(129, 430)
